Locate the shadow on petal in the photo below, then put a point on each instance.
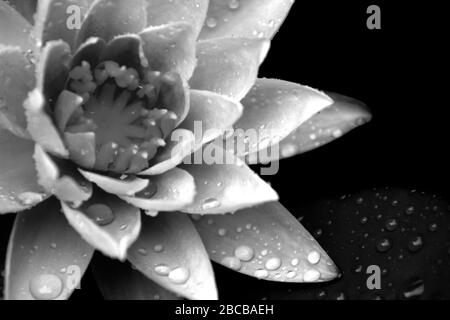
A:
(119, 281)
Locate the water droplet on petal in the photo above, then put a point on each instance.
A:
(158, 248)
(46, 287)
(273, 263)
(162, 270)
(211, 23)
(142, 251)
(294, 262)
(261, 273)
(233, 4)
(100, 213)
(30, 198)
(179, 275)
(210, 203)
(313, 257)
(232, 263)
(244, 253)
(291, 274)
(311, 275)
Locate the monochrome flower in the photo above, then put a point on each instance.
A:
(97, 124)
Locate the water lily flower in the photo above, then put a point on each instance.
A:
(89, 161)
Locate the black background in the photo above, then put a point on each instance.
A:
(395, 71)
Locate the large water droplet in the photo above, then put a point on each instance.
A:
(100, 213)
(311, 275)
(46, 287)
(313, 257)
(244, 253)
(261, 273)
(179, 275)
(273, 263)
(162, 270)
(232, 263)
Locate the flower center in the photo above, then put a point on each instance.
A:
(125, 112)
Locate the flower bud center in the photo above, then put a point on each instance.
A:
(123, 111)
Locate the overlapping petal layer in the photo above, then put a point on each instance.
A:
(228, 66)
(130, 285)
(265, 242)
(106, 222)
(226, 184)
(46, 256)
(14, 29)
(16, 80)
(19, 189)
(245, 18)
(170, 252)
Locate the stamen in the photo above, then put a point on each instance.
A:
(124, 112)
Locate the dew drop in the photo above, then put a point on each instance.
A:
(384, 245)
(311, 275)
(210, 203)
(30, 198)
(222, 232)
(158, 248)
(46, 287)
(162, 270)
(100, 213)
(337, 133)
(415, 244)
(313, 257)
(291, 274)
(294, 262)
(261, 273)
(244, 253)
(409, 211)
(142, 251)
(432, 227)
(179, 275)
(211, 23)
(273, 263)
(288, 150)
(233, 4)
(391, 224)
(232, 263)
